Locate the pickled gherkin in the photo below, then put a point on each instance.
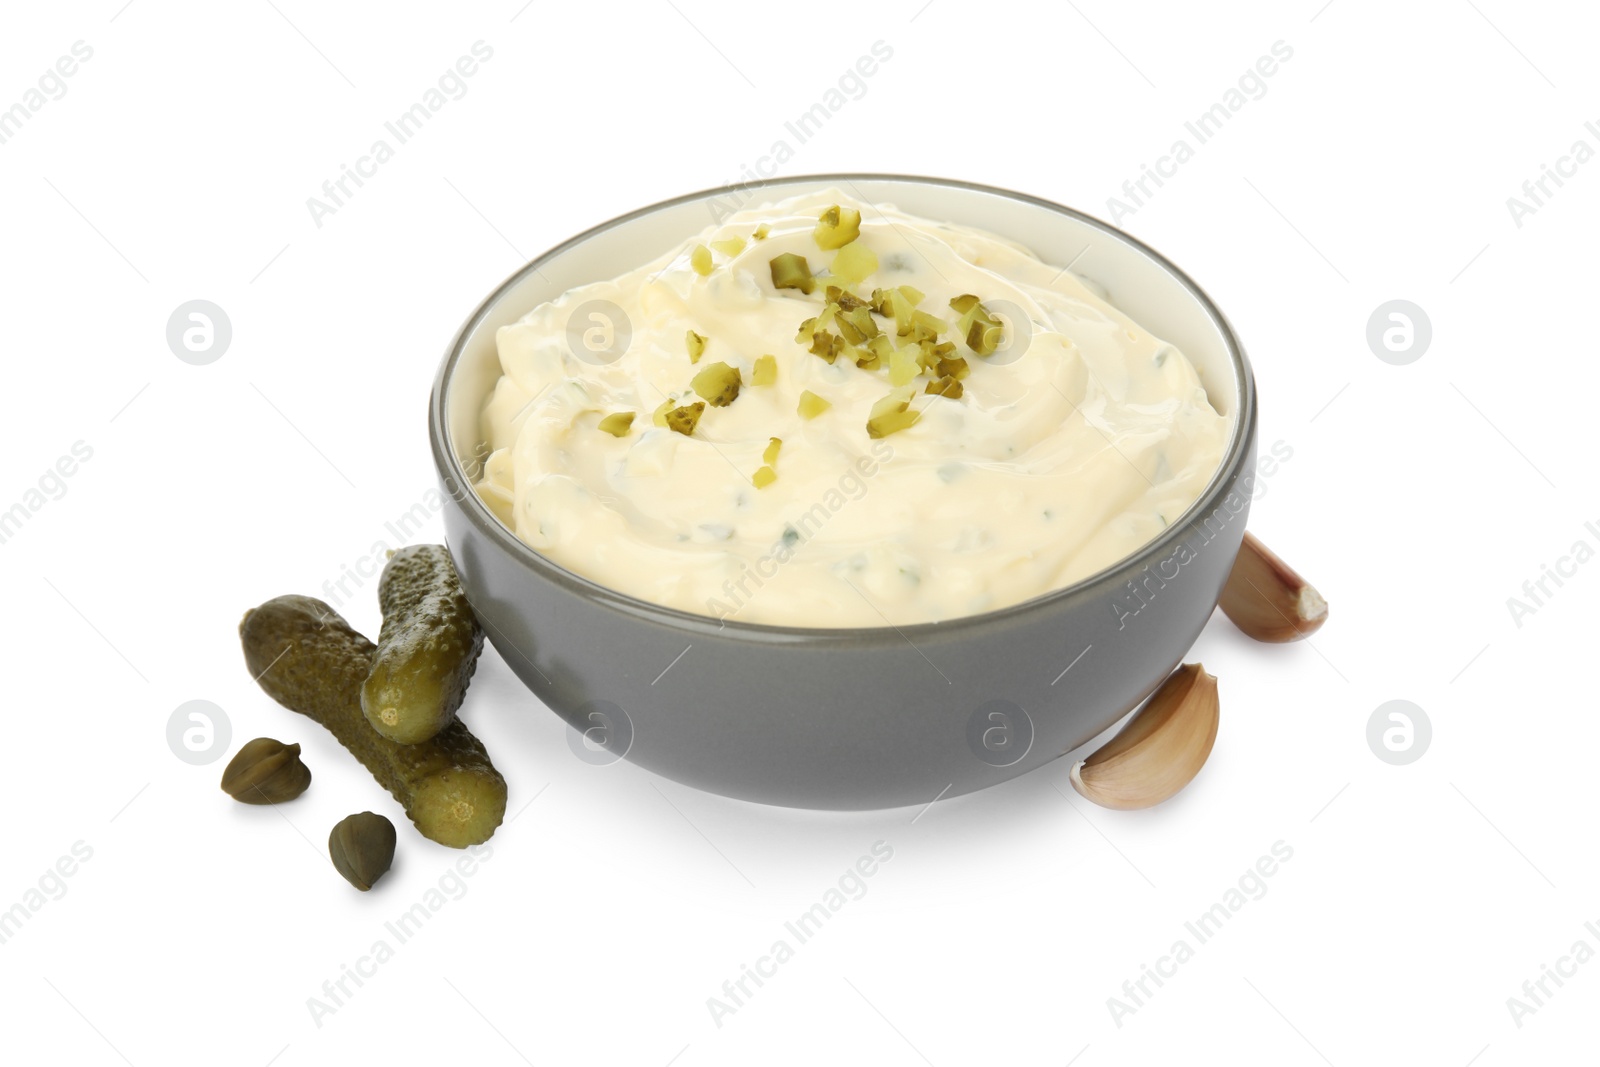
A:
(718, 384)
(812, 405)
(617, 423)
(684, 419)
(854, 263)
(308, 659)
(837, 227)
(790, 271)
(427, 649)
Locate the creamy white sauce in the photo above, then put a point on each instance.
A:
(1053, 465)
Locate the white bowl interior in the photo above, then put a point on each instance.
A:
(1144, 287)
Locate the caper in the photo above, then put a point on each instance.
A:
(362, 848)
(266, 771)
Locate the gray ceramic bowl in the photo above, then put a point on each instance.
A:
(850, 718)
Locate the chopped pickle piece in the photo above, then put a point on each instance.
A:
(718, 383)
(984, 336)
(731, 247)
(866, 359)
(926, 327)
(827, 345)
(837, 227)
(696, 345)
(763, 477)
(953, 368)
(902, 310)
(854, 263)
(891, 415)
(946, 387)
(848, 330)
(700, 260)
(812, 405)
(765, 371)
(770, 456)
(659, 416)
(978, 327)
(893, 422)
(761, 232)
(790, 271)
(905, 297)
(861, 318)
(618, 423)
(806, 332)
(844, 298)
(881, 347)
(684, 419)
(895, 401)
(904, 365)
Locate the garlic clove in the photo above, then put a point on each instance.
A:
(1267, 600)
(1161, 748)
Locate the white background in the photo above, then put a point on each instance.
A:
(1419, 498)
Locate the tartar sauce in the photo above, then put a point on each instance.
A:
(1074, 441)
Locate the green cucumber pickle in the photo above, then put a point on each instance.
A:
(427, 649)
(308, 659)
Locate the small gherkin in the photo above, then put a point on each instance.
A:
(427, 649)
(308, 659)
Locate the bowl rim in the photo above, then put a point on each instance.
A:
(453, 474)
